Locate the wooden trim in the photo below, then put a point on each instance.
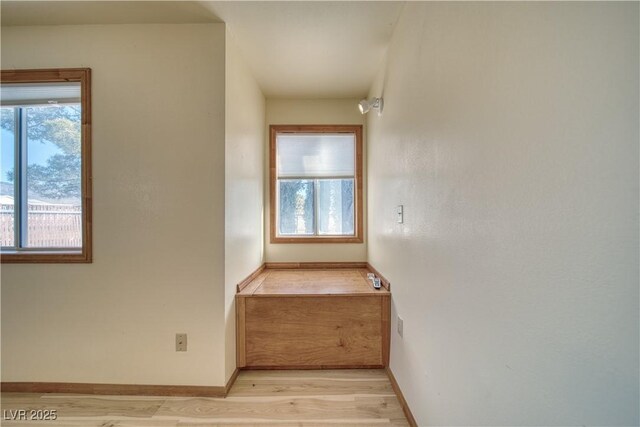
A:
(317, 239)
(359, 186)
(253, 286)
(241, 339)
(314, 265)
(82, 75)
(309, 367)
(44, 75)
(243, 284)
(359, 205)
(114, 389)
(384, 281)
(385, 301)
(121, 389)
(231, 382)
(87, 176)
(37, 257)
(401, 399)
(272, 183)
(373, 293)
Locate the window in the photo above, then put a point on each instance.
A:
(316, 184)
(45, 165)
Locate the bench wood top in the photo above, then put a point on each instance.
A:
(311, 282)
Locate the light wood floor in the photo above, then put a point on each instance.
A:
(274, 398)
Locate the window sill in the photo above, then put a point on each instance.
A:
(317, 239)
(45, 257)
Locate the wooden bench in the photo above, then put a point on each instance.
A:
(312, 318)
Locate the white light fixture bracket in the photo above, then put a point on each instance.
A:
(374, 103)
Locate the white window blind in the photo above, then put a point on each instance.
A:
(38, 93)
(315, 155)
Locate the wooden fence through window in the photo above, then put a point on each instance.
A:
(50, 226)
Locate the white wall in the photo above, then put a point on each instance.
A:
(244, 116)
(312, 112)
(158, 210)
(510, 134)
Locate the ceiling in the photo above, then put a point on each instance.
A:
(311, 49)
(305, 49)
(104, 12)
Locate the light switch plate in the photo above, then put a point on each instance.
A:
(400, 326)
(181, 342)
(400, 214)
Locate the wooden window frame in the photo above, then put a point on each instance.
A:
(57, 75)
(274, 130)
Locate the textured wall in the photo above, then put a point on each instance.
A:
(510, 134)
(244, 151)
(158, 212)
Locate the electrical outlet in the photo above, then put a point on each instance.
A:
(400, 326)
(181, 342)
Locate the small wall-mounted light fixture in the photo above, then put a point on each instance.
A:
(376, 103)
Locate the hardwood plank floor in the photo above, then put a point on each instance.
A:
(308, 398)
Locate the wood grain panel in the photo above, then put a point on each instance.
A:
(283, 409)
(111, 422)
(316, 282)
(288, 287)
(337, 375)
(304, 281)
(313, 331)
(309, 387)
(67, 406)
